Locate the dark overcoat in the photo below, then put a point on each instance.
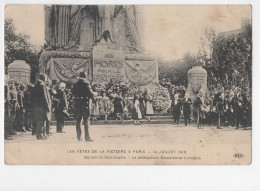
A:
(41, 102)
(176, 108)
(186, 104)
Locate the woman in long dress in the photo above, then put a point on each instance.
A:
(148, 106)
(104, 105)
(142, 105)
(95, 109)
(136, 110)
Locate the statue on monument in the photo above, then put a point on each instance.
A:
(64, 24)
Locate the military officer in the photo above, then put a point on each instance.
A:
(82, 93)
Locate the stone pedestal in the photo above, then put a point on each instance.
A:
(197, 79)
(19, 71)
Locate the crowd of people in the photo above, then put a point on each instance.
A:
(224, 107)
(220, 105)
(31, 108)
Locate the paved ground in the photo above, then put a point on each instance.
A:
(144, 134)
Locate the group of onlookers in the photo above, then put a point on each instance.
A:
(230, 107)
(30, 108)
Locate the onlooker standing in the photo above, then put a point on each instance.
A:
(50, 97)
(230, 109)
(103, 105)
(186, 108)
(21, 111)
(198, 107)
(61, 107)
(148, 106)
(95, 110)
(7, 122)
(119, 105)
(41, 105)
(13, 107)
(142, 105)
(219, 102)
(176, 109)
(137, 116)
(28, 108)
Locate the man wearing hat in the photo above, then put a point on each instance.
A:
(21, 111)
(198, 108)
(219, 103)
(41, 105)
(61, 107)
(28, 108)
(82, 93)
(13, 107)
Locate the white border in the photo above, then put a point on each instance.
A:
(139, 177)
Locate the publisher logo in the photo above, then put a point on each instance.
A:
(238, 155)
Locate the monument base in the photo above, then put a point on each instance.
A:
(65, 66)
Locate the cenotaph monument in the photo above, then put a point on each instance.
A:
(105, 41)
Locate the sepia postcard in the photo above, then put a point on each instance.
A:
(128, 84)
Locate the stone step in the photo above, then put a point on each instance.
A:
(154, 120)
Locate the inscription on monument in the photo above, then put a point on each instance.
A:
(108, 64)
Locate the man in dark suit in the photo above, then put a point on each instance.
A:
(186, 104)
(176, 109)
(82, 93)
(7, 122)
(41, 105)
(28, 108)
(21, 111)
(219, 102)
(198, 108)
(13, 107)
(230, 109)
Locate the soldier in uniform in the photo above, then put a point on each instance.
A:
(82, 93)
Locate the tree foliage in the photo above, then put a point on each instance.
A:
(227, 57)
(18, 47)
(232, 57)
(176, 71)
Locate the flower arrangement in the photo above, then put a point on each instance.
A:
(161, 98)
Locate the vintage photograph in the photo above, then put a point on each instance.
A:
(128, 84)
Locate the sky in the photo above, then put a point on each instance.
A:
(169, 31)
